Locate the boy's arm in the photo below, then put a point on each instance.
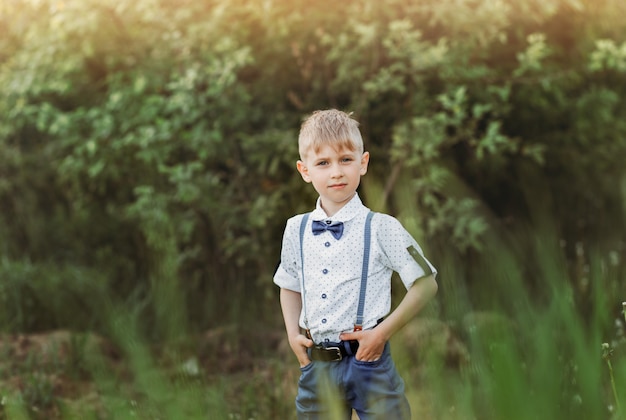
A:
(372, 342)
(291, 304)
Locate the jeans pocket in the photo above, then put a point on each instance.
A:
(307, 367)
(383, 357)
(373, 363)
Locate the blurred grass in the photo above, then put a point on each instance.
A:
(527, 345)
(544, 364)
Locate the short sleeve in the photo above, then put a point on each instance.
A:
(401, 252)
(287, 274)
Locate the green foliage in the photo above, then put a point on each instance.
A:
(153, 142)
(46, 296)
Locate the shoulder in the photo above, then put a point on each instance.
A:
(386, 228)
(297, 219)
(294, 223)
(385, 221)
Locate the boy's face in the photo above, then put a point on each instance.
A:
(335, 175)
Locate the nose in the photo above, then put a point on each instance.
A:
(337, 172)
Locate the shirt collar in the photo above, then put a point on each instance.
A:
(347, 212)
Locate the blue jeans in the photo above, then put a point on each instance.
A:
(374, 390)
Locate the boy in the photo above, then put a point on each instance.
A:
(335, 280)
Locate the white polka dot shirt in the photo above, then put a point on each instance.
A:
(332, 268)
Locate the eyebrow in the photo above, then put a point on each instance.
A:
(340, 156)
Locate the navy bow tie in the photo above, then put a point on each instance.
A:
(336, 228)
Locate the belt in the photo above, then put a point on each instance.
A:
(333, 352)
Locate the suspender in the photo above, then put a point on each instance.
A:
(302, 228)
(358, 325)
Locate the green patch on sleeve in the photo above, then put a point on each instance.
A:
(420, 260)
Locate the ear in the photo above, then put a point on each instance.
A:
(304, 171)
(365, 159)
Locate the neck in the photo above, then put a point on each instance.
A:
(332, 208)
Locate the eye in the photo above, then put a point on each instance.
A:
(347, 159)
(322, 163)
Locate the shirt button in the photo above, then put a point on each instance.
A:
(323, 295)
(325, 271)
(324, 321)
(327, 244)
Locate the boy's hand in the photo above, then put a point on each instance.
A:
(371, 344)
(299, 344)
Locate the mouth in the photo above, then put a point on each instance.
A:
(337, 186)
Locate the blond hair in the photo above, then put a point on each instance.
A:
(329, 127)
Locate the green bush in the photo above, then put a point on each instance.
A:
(155, 143)
(41, 297)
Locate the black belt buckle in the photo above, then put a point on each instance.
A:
(335, 353)
(326, 354)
